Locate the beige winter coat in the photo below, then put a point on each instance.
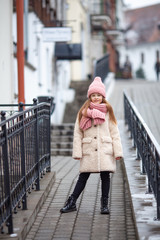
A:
(97, 147)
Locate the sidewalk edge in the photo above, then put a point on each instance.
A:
(24, 219)
(45, 189)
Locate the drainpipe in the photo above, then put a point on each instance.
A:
(26, 28)
(20, 51)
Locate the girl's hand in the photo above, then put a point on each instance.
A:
(118, 158)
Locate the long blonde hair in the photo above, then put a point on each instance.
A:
(85, 106)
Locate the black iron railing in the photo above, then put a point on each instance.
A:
(24, 157)
(148, 150)
(102, 67)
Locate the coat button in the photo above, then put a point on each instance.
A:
(95, 149)
(95, 125)
(95, 137)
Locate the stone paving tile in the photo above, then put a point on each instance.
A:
(86, 222)
(145, 96)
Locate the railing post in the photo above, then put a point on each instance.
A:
(48, 169)
(148, 161)
(36, 145)
(149, 173)
(143, 170)
(158, 184)
(125, 112)
(7, 176)
(23, 161)
(21, 105)
(137, 154)
(148, 149)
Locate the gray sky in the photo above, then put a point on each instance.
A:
(140, 3)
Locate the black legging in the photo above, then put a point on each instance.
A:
(83, 177)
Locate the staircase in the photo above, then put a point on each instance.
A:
(62, 135)
(62, 139)
(72, 109)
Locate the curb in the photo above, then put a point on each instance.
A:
(143, 205)
(109, 84)
(24, 219)
(130, 196)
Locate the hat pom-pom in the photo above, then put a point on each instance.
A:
(98, 79)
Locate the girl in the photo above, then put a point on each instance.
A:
(96, 144)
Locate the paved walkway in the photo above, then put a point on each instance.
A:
(146, 97)
(87, 222)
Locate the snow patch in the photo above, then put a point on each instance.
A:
(13, 235)
(143, 195)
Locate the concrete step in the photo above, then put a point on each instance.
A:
(62, 132)
(63, 145)
(61, 152)
(80, 86)
(61, 138)
(65, 126)
(72, 108)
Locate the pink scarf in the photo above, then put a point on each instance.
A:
(97, 112)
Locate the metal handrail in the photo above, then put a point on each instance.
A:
(21, 105)
(24, 157)
(148, 149)
(102, 67)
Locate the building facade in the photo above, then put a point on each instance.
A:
(142, 41)
(6, 53)
(44, 73)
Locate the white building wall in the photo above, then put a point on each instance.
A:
(119, 14)
(6, 53)
(62, 93)
(96, 49)
(78, 21)
(96, 41)
(38, 77)
(134, 53)
(148, 49)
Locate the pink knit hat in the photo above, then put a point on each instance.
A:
(96, 87)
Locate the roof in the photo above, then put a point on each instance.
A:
(142, 24)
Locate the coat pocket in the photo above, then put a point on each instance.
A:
(107, 146)
(86, 146)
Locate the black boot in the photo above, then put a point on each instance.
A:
(70, 205)
(104, 205)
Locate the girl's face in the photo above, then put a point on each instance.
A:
(96, 98)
